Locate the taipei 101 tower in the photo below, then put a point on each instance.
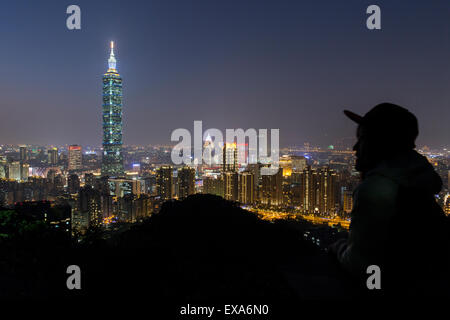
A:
(112, 160)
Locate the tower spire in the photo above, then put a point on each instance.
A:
(112, 158)
(112, 59)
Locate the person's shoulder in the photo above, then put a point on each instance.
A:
(377, 188)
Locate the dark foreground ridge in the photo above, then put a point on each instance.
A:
(202, 249)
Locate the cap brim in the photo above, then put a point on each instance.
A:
(353, 116)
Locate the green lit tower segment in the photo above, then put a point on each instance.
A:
(112, 161)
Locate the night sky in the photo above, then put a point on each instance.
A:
(292, 65)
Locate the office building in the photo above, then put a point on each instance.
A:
(318, 191)
(74, 158)
(298, 163)
(15, 171)
(246, 188)
(23, 154)
(272, 189)
(186, 182)
(112, 157)
(213, 185)
(164, 182)
(73, 183)
(230, 158)
(230, 185)
(52, 156)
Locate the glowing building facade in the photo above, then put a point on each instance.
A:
(112, 161)
(75, 158)
(230, 158)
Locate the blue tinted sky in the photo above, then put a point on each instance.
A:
(292, 65)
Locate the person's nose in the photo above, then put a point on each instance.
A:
(356, 146)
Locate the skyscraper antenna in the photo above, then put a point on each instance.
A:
(112, 59)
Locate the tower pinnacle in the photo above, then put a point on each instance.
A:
(112, 60)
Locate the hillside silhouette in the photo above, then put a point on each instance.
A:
(203, 248)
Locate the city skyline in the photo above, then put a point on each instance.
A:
(195, 156)
(264, 76)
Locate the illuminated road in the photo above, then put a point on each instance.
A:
(271, 215)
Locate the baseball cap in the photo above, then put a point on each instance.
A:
(389, 121)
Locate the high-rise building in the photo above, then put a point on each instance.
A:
(318, 190)
(327, 191)
(246, 187)
(89, 179)
(24, 171)
(298, 163)
(23, 154)
(164, 182)
(213, 185)
(133, 208)
(230, 185)
(75, 158)
(272, 189)
(15, 171)
(255, 169)
(59, 183)
(121, 187)
(51, 174)
(286, 163)
(112, 161)
(52, 156)
(210, 159)
(89, 207)
(230, 158)
(2, 171)
(186, 182)
(73, 183)
(150, 184)
(295, 194)
(348, 201)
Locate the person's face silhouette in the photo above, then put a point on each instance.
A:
(366, 153)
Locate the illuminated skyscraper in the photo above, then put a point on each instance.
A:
(23, 154)
(213, 185)
(230, 158)
(52, 156)
(230, 185)
(298, 163)
(286, 165)
(24, 171)
(246, 187)
(14, 171)
(272, 189)
(112, 161)
(75, 159)
(164, 182)
(186, 182)
(318, 190)
(348, 201)
(327, 191)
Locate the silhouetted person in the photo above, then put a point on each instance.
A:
(396, 222)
